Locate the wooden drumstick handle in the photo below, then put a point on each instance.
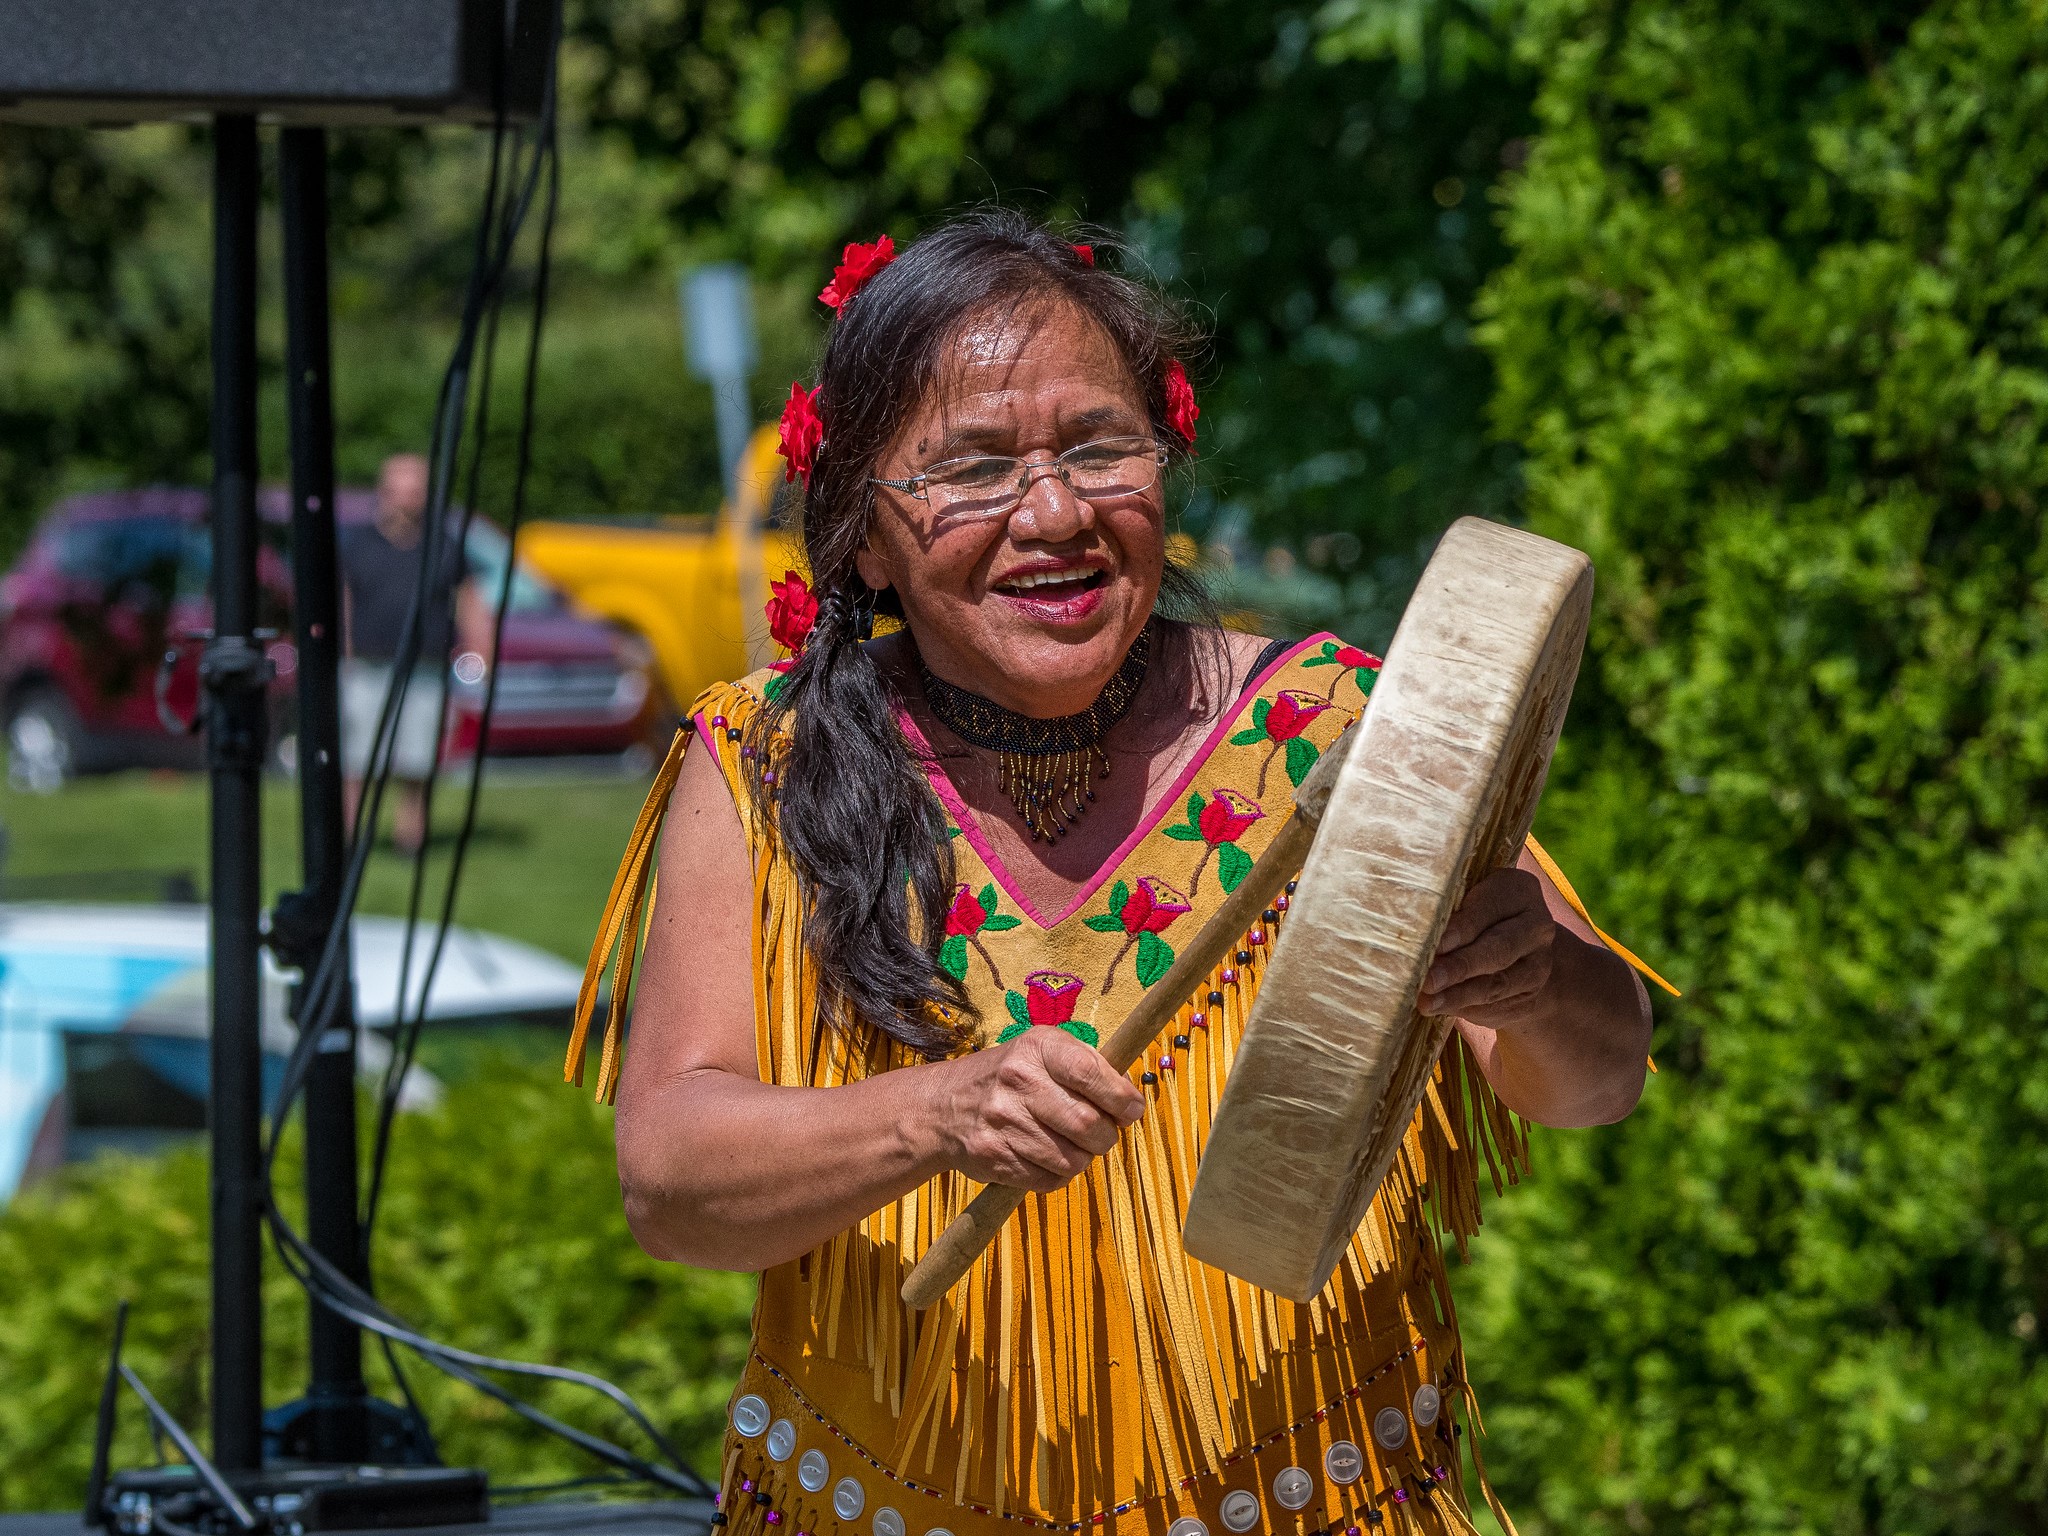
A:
(956, 1249)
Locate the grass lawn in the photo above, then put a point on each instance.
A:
(538, 868)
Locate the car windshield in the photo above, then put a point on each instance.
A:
(486, 549)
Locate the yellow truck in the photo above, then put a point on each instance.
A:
(693, 589)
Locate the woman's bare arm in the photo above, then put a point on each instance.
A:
(722, 1170)
(1559, 1023)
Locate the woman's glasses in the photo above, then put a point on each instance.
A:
(990, 485)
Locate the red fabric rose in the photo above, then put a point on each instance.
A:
(1224, 819)
(1152, 906)
(966, 916)
(857, 263)
(1352, 656)
(803, 429)
(1050, 996)
(1181, 409)
(1086, 253)
(1292, 712)
(791, 611)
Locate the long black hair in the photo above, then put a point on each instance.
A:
(850, 803)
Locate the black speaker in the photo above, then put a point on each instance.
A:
(291, 61)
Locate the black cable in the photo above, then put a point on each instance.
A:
(402, 1058)
(321, 1280)
(336, 1292)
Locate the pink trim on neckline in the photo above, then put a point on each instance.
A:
(970, 826)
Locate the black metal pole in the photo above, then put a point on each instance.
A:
(336, 1390)
(233, 673)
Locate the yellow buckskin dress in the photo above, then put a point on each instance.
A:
(1087, 1374)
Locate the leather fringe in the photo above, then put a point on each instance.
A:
(971, 1372)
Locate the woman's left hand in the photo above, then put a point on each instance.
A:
(1495, 958)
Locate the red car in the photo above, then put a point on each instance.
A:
(112, 579)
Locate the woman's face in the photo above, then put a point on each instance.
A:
(1034, 609)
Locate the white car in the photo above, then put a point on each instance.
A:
(103, 1019)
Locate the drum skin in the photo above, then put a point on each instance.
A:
(1439, 790)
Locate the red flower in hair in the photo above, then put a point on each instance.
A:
(857, 263)
(1086, 253)
(803, 429)
(792, 611)
(1181, 409)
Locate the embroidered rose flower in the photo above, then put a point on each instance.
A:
(972, 914)
(857, 263)
(803, 430)
(1225, 818)
(1217, 824)
(1292, 713)
(966, 915)
(1050, 996)
(1151, 907)
(1363, 666)
(1281, 723)
(1141, 913)
(792, 612)
(1047, 1002)
(1181, 410)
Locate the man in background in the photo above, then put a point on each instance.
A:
(380, 570)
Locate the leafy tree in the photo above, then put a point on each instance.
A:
(1772, 339)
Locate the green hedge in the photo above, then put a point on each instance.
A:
(1774, 338)
(503, 1232)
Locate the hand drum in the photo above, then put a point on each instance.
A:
(1438, 790)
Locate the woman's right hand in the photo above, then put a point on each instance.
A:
(1031, 1113)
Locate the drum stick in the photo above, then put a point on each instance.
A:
(975, 1228)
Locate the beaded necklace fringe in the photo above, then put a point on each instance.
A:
(1048, 767)
(1038, 1299)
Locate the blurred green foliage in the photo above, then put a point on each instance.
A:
(1774, 339)
(503, 1232)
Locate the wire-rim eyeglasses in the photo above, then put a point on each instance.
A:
(991, 485)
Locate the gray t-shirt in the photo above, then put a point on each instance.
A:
(381, 577)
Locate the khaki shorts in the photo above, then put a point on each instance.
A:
(364, 685)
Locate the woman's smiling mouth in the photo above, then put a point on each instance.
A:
(1061, 595)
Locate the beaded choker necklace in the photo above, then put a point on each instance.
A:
(1047, 766)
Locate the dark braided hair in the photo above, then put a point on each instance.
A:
(850, 802)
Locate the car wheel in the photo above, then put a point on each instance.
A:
(44, 742)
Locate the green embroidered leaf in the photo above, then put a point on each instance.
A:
(1326, 657)
(1246, 738)
(1181, 832)
(1104, 922)
(953, 957)
(1011, 1032)
(1002, 922)
(1154, 959)
(1260, 710)
(1232, 865)
(1118, 895)
(1195, 806)
(1020, 1013)
(772, 689)
(1365, 677)
(1085, 1033)
(1154, 956)
(987, 897)
(1301, 756)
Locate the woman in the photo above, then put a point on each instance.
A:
(906, 883)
